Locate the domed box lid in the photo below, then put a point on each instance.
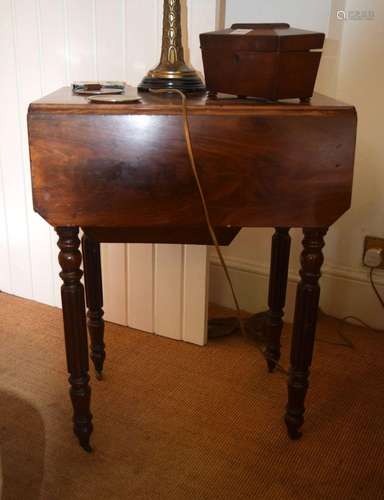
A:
(262, 37)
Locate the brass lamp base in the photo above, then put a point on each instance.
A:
(172, 72)
(188, 83)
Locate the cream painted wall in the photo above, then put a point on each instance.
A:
(352, 69)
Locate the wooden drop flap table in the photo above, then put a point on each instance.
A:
(121, 174)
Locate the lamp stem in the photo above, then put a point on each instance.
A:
(172, 50)
(172, 72)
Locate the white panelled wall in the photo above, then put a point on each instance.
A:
(45, 44)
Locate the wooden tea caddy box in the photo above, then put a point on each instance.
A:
(269, 61)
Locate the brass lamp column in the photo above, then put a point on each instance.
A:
(172, 72)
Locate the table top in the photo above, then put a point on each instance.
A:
(64, 101)
(126, 165)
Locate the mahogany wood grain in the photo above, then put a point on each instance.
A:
(304, 327)
(168, 235)
(278, 279)
(75, 330)
(271, 61)
(256, 163)
(94, 298)
(63, 101)
(121, 172)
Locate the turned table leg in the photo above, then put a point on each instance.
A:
(307, 303)
(72, 295)
(94, 296)
(281, 245)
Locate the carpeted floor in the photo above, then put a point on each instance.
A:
(175, 421)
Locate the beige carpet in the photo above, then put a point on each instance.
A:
(174, 421)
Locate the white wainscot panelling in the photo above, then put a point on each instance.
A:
(45, 44)
(140, 296)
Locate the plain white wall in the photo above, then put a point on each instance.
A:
(306, 14)
(352, 70)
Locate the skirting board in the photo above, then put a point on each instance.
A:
(344, 292)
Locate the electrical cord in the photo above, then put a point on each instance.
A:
(187, 134)
(379, 297)
(346, 341)
(343, 321)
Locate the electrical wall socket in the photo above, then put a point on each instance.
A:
(373, 242)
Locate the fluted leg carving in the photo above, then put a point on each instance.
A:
(307, 303)
(94, 296)
(72, 295)
(281, 245)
